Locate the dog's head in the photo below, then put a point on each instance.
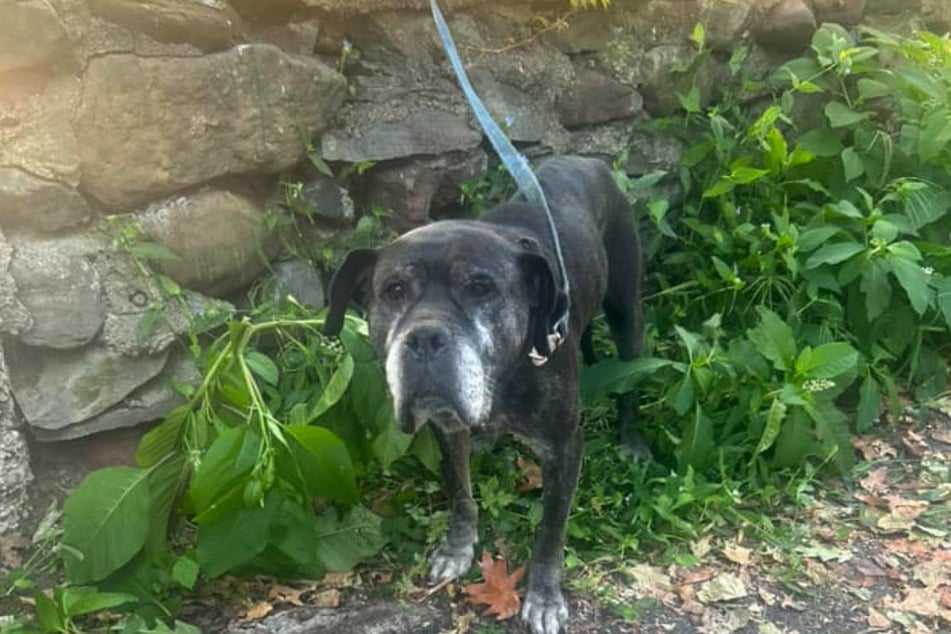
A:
(450, 306)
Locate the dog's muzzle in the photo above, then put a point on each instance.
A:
(435, 378)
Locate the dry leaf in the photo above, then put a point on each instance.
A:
(531, 475)
(874, 448)
(877, 620)
(942, 435)
(648, 580)
(874, 482)
(12, 549)
(338, 579)
(738, 554)
(701, 547)
(286, 594)
(914, 443)
(723, 587)
(257, 611)
(498, 589)
(327, 599)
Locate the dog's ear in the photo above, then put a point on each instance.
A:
(546, 300)
(350, 280)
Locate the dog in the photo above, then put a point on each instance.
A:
(458, 311)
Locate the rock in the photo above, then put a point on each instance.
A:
(595, 98)
(410, 189)
(151, 126)
(893, 6)
(220, 238)
(32, 35)
(59, 287)
(319, 196)
(649, 152)
(14, 318)
(788, 27)
(33, 203)
(845, 12)
(36, 135)
(726, 23)
(299, 38)
(142, 317)
(379, 618)
(15, 473)
(58, 388)
(297, 278)
(585, 34)
(151, 401)
(210, 25)
(416, 132)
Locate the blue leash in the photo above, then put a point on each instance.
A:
(518, 167)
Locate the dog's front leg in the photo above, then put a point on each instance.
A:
(545, 610)
(454, 556)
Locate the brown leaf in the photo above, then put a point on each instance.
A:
(724, 587)
(874, 448)
(737, 554)
(877, 620)
(874, 482)
(257, 611)
(531, 475)
(327, 599)
(914, 443)
(498, 590)
(12, 549)
(286, 594)
(942, 435)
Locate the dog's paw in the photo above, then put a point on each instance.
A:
(447, 563)
(545, 612)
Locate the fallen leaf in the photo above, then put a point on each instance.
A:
(933, 573)
(327, 599)
(914, 443)
(498, 589)
(942, 435)
(874, 482)
(338, 579)
(701, 547)
(877, 620)
(738, 554)
(902, 507)
(723, 587)
(286, 594)
(874, 448)
(649, 580)
(12, 549)
(696, 576)
(257, 611)
(531, 475)
(824, 553)
(920, 601)
(768, 627)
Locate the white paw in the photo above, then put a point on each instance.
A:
(448, 563)
(545, 612)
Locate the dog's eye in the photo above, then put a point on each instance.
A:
(479, 288)
(394, 291)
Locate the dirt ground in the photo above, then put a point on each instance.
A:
(873, 556)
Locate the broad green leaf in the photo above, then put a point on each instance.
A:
(852, 164)
(833, 253)
(841, 116)
(613, 376)
(79, 600)
(746, 175)
(723, 185)
(812, 239)
(944, 299)
(914, 280)
(646, 181)
(426, 449)
(344, 541)
(106, 519)
(185, 572)
(163, 439)
(820, 142)
(335, 389)
(321, 462)
(691, 101)
(294, 534)
(884, 230)
(237, 537)
(697, 446)
(47, 614)
(774, 339)
(832, 427)
(875, 287)
(774, 424)
(390, 444)
(827, 361)
(166, 482)
(873, 89)
(870, 405)
(924, 205)
(230, 459)
(262, 366)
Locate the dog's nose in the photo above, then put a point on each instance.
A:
(427, 342)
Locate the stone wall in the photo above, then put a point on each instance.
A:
(125, 125)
